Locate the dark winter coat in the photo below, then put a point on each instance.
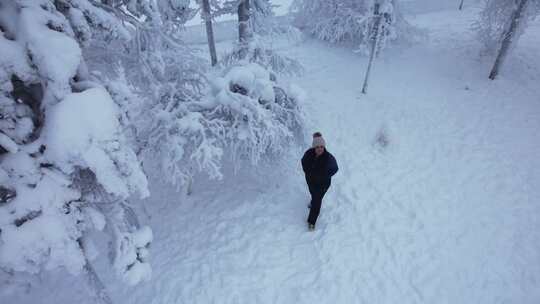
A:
(319, 170)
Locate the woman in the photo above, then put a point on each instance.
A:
(319, 166)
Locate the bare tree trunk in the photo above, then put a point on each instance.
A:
(461, 5)
(207, 16)
(508, 39)
(374, 42)
(244, 34)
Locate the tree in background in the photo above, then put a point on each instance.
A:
(207, 17)
(367, 24)
(241, 8)
(257, 27)
(351, 21)
(375, 35)
(501, 24)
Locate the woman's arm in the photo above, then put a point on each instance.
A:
(332, 165)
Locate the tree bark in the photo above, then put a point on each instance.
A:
(207, 16)
(244, 34)
(374, 41)
(508, 38)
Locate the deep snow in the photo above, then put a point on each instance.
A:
(436, 201)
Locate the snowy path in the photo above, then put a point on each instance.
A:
(446, 212)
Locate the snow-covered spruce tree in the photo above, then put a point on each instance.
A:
(154, 77)
(257, 27)
(180, 124)
(257, 9)
(246, 114)
(258, 117)
(169, 77)
(264, 22)
(66, 166)
(350, 21)
(496, 18)
(163, 76)
(501, 24)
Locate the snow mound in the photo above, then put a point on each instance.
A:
(54, 52)
(132, 253)
(261, 116)
(83, 131)
(252, 78)
(44, 233)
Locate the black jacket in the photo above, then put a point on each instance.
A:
(319, 170)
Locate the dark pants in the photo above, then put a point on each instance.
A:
(317, 193)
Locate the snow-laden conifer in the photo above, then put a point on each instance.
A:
(351, 21)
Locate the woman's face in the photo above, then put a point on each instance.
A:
(319, 150)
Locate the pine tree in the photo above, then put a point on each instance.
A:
(501, 25)
(67, 164)
(351, 21)
(503, 22)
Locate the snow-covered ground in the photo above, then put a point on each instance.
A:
(436, 200)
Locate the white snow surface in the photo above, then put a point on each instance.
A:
(436, 200)
(8, 144)
(48, 239)
(142, 237)
(56, 54)
(132, 253)
(83, 130)
(254, 78)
